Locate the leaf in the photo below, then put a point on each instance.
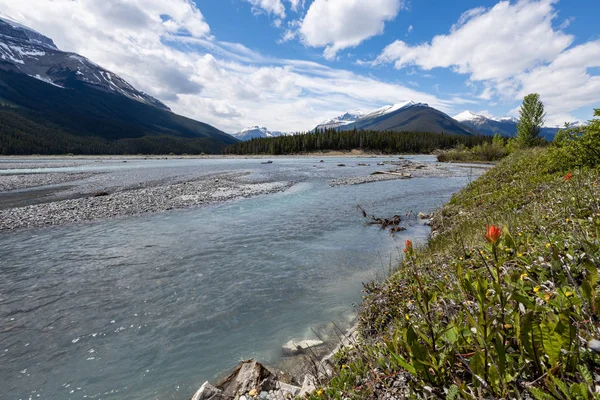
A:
(552, 343)
(452, 392)
(561, 385)
(401, 362)
(523, 298)
(501, 351)
(592, 274)
(540, 395)
(585, 374)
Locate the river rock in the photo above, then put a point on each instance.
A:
(247, 376)
(423, 215)
(308, 386)
(208, 392)
(292, 347)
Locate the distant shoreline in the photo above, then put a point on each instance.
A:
(200, 157)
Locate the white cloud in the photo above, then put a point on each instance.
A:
(512, 49)
(274, 7)
(340, 24)
(221, 83)
(297, 4)
(489, 44)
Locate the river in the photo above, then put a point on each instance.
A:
(149, 307)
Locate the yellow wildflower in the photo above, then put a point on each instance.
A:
(319, 392)
(344, 366)
(523, 276)
(407, 317)
(569, 294)
(536, 289)
(507, 326)
(548, 245)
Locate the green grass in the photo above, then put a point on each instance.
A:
(464, 318)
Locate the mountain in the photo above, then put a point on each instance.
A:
(347, 118)
(488, 126)
(505, 126)
(58, 102)
(408, 117)
(255, 132)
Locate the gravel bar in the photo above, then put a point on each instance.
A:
(24, 181)
(207, 190)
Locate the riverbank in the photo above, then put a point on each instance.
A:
(499, 304)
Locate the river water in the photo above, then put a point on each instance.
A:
(150, 307)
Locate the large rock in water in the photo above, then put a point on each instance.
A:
(249, 377)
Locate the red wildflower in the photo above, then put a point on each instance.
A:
(568, 176)
(492, 233)
(408, 246)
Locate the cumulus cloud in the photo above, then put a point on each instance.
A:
(489, 44)
(164, 48)
(340, 24)
(512, 49)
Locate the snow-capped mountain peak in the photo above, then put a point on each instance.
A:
(469, 116)
(506, 119)
(25, 51)
(255, 132)
(11, 28)
(347, 118)
(392, 108)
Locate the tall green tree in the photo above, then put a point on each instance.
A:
(531, 120)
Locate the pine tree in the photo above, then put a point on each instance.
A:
(531, 119)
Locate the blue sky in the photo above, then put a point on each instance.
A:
(289, 64)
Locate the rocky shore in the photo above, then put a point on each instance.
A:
(128, 202)
(251, 380)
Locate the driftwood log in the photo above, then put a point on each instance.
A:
(393, 223)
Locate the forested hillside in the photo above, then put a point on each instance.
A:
(335, 140)
(40, 118)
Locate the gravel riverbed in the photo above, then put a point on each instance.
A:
(102, 205)
(24, 181)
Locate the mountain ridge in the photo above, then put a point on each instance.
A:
(505, 126)
(407, 116)
(55, 102)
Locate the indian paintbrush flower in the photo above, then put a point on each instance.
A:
(408, 246)
(568, 176)
(492, 233)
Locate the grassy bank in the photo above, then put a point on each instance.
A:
(507, 316)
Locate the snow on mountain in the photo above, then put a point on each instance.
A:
(351, 117)
(26, 51)
(347, 118)
(392, 108)
(255, 132)
(469, 116)
(506, 119)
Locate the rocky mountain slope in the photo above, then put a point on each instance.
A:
(58, 102)
(505, 126)
(256, 132)
(408, 117)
